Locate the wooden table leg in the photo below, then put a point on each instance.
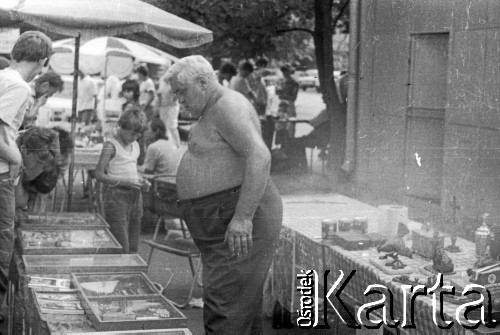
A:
(90, 190)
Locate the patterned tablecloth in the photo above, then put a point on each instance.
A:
(301, 247)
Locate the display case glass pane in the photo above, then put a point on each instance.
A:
(123, 285)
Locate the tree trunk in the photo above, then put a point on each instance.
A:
(323, 32)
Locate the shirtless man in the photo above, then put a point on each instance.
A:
(230, 204)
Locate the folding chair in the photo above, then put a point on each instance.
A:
(163, 202)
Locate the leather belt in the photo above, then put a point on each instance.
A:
(196, 201)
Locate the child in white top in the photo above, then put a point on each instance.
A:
(117, 169)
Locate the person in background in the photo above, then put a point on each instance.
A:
(229, 202)
(111, 88)
(240, 82)
(131, 93)
(295, 148)
(109, 98)
(4, 63)
(30, 54)
(258, 86)
(117, 169)
(147, 91)
(343, 86)
(162, 156)
(168, 110)
(289, 89)
(260, 103)
(87, 98)
(226, 72)
(46, 154)
(287, 92)
(43, 87)
(66, 147)
(284, 128)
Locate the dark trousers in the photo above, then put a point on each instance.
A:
(268, 131)
(123, 212)
(295, 148)
(183, 134)
(233, 287)
(7, 215)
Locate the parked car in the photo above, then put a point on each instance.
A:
(307, 79)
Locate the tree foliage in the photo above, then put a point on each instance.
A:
(279, 29)
(250, 28)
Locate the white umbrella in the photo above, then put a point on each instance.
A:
(106, 55)
(86, 19)
(93, 18)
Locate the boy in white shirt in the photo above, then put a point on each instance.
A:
(30, 54)
(117, 169)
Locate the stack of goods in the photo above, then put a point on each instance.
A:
(50, 284)
(89, 137)
(58, 302)
(424, 241)
(350, 234)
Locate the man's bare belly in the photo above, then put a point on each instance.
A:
(200, 175)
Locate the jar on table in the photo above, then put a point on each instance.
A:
(328, 228)
(361, 224)
(346, 224)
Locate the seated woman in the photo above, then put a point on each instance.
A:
(294, 148)
(162, 157)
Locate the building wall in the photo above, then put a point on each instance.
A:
(471, 155)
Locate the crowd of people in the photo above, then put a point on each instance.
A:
(275, 105)
(228, 200)
(33, 156)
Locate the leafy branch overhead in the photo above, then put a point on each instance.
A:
(250, 28)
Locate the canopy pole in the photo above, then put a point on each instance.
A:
(104, 90)
(73, 119)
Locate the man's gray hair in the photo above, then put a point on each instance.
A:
(189, 68)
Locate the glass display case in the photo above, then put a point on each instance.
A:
(52, 264)
(114, 284)
(125, 301)
(63, 220)
(68, 241)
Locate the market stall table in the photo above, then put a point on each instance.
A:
(301, 247)
(29, 315)
(86, 160)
